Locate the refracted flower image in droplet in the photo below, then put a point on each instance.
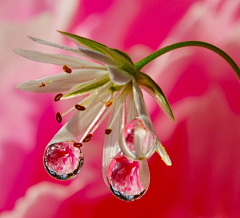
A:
(137, 141)
(63, 160)
(128, 179)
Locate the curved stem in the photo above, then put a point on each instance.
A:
(140, 64)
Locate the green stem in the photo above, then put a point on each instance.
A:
(140, 64)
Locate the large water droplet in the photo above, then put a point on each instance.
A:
(137, 142)
(63, 160)
(128, 179)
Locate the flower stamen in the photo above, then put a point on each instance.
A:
(108, 131)
(77, 144)
(66, 69)
(94, 121)
(80, 107)
(58, 97)
(42, 85)
(120, 97)
(88, 138)
(108, 103)
(58, 117)
(85, 101)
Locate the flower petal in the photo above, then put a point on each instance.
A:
(111, 143)
(141, 107)
(60, 82)
(58, 59)
(65, 48)
(118, 76)
(88, 87)
(62, 135)
(144, 116)
(156, 92)
(162, 152)
(119, 57)
(78, 40)
(131, 109)
(98, 56)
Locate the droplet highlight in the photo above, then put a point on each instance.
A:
(63, 160)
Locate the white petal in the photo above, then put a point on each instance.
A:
(118, 76)
(162, 152)
(159, 102)
(92, 83)
(58, 59)
(111, 143)
(65, 48)
(131, 109)
(62, 135)
(60, 82)
(98, 56)
(141, 107)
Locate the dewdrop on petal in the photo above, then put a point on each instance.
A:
(128, 179)
(63, 160)
(137, 142)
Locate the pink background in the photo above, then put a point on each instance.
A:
(202, 89)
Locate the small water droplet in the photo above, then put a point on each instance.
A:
(128, 179)
(63, 160)
(137, 141)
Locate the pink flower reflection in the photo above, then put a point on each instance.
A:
(123, 175)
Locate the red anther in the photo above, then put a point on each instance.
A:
(80, 107)
(108, 103)
(77, 144)
(108, 131)
(42, 85)
(66, 69)
(58, 97)
(59, 117)
(88, 138)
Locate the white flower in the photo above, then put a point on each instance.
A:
(110, 85)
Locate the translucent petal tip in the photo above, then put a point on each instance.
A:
(163, 154)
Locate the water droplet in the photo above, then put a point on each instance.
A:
(137, 141)
(63, 160)
(128, 179)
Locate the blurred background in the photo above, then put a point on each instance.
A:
(203, 91)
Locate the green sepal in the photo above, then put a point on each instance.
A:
(148, 84)
(86, 89)
(121, 58)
